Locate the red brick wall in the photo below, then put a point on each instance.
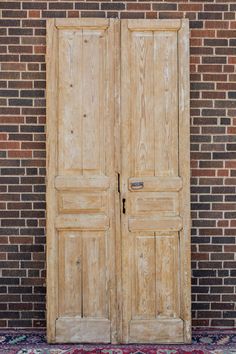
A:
(22, 150)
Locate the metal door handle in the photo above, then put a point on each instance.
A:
(137, 185)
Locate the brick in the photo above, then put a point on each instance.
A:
(53, 13)
(222, 323)
(169, 15)
(226, 34)
(87, 6)
(112, 6)
(138, 6)
(201, 86)
(225, 51)
(216, 7)
(199, 323)
(10, 5)
(204, 273)
(60, 5)
(165, 7)
(214, 60)
(14, 13)
(210, 281)
(217, 24)
(19, 323)
(131, 15)
(231, 314)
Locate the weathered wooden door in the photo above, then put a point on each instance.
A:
(82, 180)
(155, 181)
(118, 181)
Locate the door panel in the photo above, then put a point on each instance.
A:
(167, 275)
(82, 101)
(165, 46)
(95, 282)
(70, 250)
(155, 181)
(82, 180)
(118, 220)
(143, 278)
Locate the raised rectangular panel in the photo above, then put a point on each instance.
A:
(75, 330)
(82, 202)
(81, 183)
(155, 223)
(70, 273)
(95, 283)
(167, 274)
(155, 184)
(144, 276)
(82, 222)
(81, 116)
(159, 330)
(165, 204)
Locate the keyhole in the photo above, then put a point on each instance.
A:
(123, 204)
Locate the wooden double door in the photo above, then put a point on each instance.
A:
(118, 240)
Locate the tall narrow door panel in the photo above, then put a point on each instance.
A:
(155, 181)
(82, 180)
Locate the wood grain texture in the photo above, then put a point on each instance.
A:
(82, 23)
(159, 330)
(82, 181)
(154, 234)
(70, 102)
(165, 204)
(143, 278)
(82, 202)
(142, 137)
(70, 279)
(167, 275)
(154, 25)
(143, 223)
(127, 242)
(157, 184)
(166, 103)
(52, 245)
(74, 330)
(118, 218)
(184, 167)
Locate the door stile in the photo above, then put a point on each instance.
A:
(117, 337)
(51, 132)
(125, 172)
(184, 167)
(113, 49)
